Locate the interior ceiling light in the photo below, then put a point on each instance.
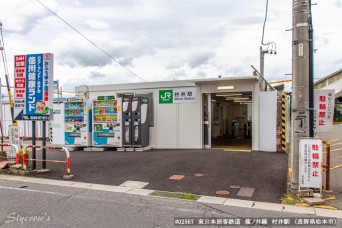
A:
(229, 95)
(229, 98)
(237, 101)
(225, 87)
(240, 98)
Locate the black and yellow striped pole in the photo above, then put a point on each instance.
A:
(283, 123)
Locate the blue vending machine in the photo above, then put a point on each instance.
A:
(107, 113)
(76, 122)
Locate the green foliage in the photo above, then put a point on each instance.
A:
(179, 195)
(288, 200)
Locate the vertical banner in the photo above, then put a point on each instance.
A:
(324, 110)
(33, 94)
(19, 85)
(310, 162)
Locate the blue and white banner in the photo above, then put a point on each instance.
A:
(37, 100)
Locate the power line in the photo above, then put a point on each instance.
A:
(90, 41)
(3, 52)
(263, 27)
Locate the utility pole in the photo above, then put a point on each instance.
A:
(300, 82)
(262, 84)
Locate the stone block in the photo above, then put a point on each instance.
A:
(313, 201)
(68, 177)
(23, 173)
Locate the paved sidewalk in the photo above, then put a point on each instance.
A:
(263, 172)
(202, 200)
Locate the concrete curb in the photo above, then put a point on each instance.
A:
(203, 199)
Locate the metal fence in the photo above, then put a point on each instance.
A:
(332, 162)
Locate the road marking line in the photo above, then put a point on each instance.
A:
(32, 190)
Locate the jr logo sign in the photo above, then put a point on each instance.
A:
(165, 96)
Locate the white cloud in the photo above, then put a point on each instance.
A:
(98, 25)
(164, 40)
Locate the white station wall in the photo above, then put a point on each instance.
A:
(268, 121)
(178, 125)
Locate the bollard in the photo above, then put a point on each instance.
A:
(24, 159)
(68, 176)
(17, 157)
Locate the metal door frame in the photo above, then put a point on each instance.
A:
(206, 105)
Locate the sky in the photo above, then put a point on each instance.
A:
(163, 40)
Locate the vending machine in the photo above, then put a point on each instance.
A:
(140, 119)
(127, 121)
(107, 121)
(76, 122)
(135, 122)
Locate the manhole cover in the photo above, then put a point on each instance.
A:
(199, 174)
(222, 192)
(176, 177)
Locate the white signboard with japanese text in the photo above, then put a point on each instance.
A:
(184, 95)
(14, 138)
(324, 103)
(178, 95)
(33, 86)
(310, 162)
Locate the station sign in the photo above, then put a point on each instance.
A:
(177, 95)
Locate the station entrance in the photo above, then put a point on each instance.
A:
(227, 119)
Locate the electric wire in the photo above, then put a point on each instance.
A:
(263, 27)
(271, 46)
(90, 41)
(3, 52)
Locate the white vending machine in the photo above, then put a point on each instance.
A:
(107, 114)
(77, 123)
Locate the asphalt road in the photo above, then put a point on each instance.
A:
(34, 205)
(265, 172)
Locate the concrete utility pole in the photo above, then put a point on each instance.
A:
(300, 82)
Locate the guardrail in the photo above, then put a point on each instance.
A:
(67, 161)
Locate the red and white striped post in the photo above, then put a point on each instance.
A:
(24, 157)
(67, 160)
